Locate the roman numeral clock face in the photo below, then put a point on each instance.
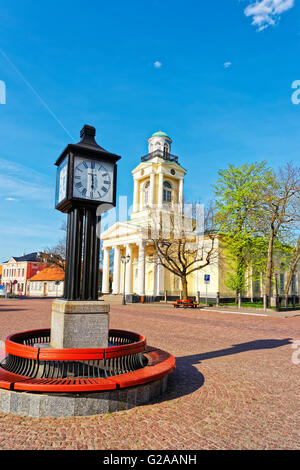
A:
(93, 180)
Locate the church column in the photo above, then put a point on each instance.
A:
(160, 189)
(141, 269)
(128, 275)
(152, 188)
(180, 192)
(159, 280)
(135, 196)
(116, 274)
(105, 273)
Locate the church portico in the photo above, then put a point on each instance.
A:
(117, 270)
(134, 276)
(141, 269)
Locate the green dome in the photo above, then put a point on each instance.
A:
(160, 134)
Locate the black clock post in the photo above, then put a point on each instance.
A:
(86, 179)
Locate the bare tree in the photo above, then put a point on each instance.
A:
(282, 214)
(56, 255)
(179, 246)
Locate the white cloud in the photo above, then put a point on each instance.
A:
(22, 182)
(266, 13)
(227, 65)
(157, 64)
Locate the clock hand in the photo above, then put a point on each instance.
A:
(93, 176)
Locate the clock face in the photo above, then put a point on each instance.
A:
(62, 172)
(93, 180)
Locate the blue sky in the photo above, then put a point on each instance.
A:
(216, 76)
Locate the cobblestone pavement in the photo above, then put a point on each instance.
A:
(235, 385)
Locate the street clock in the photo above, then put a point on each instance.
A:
(86, 179)
(86, 174)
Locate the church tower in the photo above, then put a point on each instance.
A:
(158, 179)
(158, 186)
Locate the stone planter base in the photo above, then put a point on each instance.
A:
(50, 405)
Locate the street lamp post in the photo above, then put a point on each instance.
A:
(125, 260)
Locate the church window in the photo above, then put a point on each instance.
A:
(167, 192)
(293, 284)
(281, 285)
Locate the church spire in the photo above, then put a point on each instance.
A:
(158, 179)
(159, 145)
(159, 141)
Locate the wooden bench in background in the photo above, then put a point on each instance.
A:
(185, 304)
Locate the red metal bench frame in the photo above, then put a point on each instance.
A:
(160, 364)
(185, 304)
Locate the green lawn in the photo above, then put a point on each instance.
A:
(253, 305)
(248, 304)
(244, 304)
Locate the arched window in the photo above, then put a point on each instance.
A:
(146, 193)
(167, 192)
(166, 148)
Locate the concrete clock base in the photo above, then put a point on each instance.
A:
(79, 324)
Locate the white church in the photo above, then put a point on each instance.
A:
(159, 187)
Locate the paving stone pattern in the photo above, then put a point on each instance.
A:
(235, 385)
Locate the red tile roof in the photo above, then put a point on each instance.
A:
(52, 273)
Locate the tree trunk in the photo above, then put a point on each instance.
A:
(292, 270)
(269, 273)
(184, 288)
(241, 270)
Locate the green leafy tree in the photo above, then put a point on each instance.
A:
(239, 211)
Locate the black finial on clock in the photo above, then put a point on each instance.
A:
(87, 135)
(87, 131)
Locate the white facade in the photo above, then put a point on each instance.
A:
(46, 288)
(17, 271)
